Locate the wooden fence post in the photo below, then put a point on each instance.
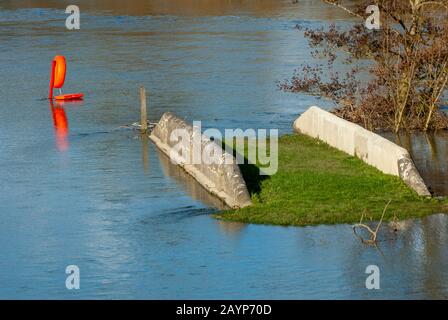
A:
(143, 113)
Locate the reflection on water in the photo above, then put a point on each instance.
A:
(188, 183)
(231, 228)
(60, 123)
(145, 157)
(112, 204)
(430, 154)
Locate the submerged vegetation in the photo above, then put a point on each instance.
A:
(407, 59)
(317, 184)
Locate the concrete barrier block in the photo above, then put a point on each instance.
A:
(222, 179)
(364, 144)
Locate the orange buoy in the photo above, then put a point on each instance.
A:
(57, 79)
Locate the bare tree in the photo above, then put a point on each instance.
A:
(407, 63)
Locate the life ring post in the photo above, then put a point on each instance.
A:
(53, 67)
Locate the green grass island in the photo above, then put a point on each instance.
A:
(318, 184)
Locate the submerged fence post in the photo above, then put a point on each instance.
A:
(143, 114)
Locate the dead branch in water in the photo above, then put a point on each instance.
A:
(373, 234)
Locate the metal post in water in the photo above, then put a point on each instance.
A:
(143, 114)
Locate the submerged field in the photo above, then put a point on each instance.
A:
(317, 184)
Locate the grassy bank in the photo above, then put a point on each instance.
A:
(317, 184)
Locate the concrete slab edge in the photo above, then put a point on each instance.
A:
(364, 144)
(224, 181)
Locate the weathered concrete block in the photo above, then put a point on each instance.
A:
(223, 179)
(364, 144)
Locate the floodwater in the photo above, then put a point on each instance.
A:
(430, 154)
(79, 189)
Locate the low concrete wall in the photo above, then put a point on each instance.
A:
(194, 189)
(366, 145)
(221, 179)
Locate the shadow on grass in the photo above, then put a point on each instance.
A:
(252, 177)
(251, 173)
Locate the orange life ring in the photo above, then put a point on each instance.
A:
(59, 71)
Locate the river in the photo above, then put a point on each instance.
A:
(78, 189)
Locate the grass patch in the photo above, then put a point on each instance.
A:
(318, 184)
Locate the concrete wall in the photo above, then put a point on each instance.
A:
(221, 179)
(194, 189)
(366, 145)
